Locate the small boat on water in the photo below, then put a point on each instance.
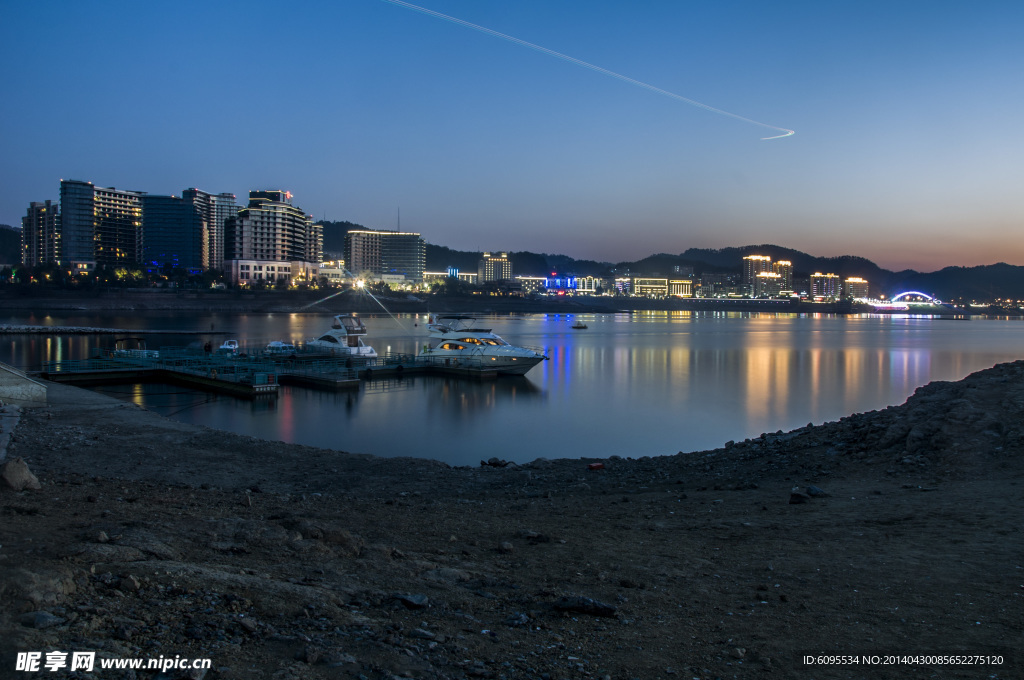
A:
(344, 338)
(134, 348)
(456, 341)
(280, 348)
(579, 325)
(229, 347)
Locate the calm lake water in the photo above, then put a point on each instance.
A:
(640, 384)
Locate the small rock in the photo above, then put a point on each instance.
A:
(336, 659)
(130, 584)
(102, 537)
(815, 492)
(506, 547)
(518, 619)
(421, 634)
(310, 654)
(584, 605)
(196, 633)
(738, 652)
(40, 620)
(414, 601)
(248, 625)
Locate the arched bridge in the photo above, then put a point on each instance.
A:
(911, 293)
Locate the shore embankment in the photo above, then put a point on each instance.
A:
(893, 532)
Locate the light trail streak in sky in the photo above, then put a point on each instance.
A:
(579, 62)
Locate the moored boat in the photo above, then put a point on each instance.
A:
(280, 348)
(343, 338)
(456, 341)
(229, 347)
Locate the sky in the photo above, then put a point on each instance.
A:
(907, 117)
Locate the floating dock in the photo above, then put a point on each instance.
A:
(250, 375)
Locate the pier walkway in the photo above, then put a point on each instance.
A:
(248, 374)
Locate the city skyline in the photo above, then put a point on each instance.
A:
(904, 121)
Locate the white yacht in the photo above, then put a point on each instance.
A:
(456, 341)
(344, 338)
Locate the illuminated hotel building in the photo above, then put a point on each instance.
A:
(532, 284)
(101, 226)
(825, 286)
(650, 287)
(784, 268)
(855, 287)
(377, 254)
(754, 265)
(494, 267)
(272, 240)
(768, 284)
(40, 234)
(588, 285)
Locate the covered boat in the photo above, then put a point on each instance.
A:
(343, 338)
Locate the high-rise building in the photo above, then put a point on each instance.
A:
(175, 235)
(494, 267)
(392, 254)
(754, 265)
(272, 240)
(362, 252)
(784, 268)
(214, 210)
(100, 225)
(40, 234)
(768, 284)
(855, 287)
(825, 286)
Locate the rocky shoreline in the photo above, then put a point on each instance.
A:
(889, 532)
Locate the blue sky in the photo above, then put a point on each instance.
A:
(908, 144)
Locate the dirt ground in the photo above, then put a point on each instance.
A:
(889, 538)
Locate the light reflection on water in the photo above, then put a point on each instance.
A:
(631, 384)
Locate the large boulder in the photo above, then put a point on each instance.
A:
(17, 475)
